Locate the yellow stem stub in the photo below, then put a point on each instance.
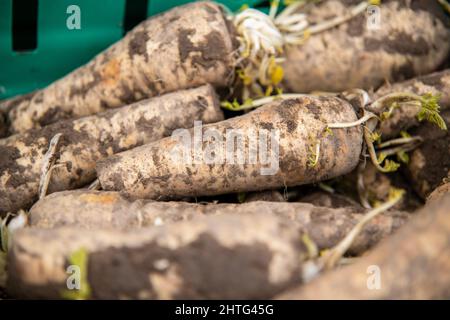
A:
(263, 37)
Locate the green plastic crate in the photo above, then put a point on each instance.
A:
(60, 50)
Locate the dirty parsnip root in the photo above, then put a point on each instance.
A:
(33, 163)
(183, 48)
(308, 128)
(106, 209)
(380, 43)
(293, 129)
(217, 257)
(439, 192)
(412, 264)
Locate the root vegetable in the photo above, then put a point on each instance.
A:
(101, 209)
(413, 264)
(299, 151)
(439, 192)
(353, 56)
(87, 140)
(405, 116)
(221, 257)
(107, 209)
(183, 48)
(5, 108)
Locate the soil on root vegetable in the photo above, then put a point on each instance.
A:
(430, 162)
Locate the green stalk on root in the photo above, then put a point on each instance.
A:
(251, 104)
(428, 103)
(429, 110)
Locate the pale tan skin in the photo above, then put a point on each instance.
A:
(106, 209)
(218, 257)
(411, 41)
(183, 48)
(87, 140)
(152, 172)
(439, 193)
(414, 264)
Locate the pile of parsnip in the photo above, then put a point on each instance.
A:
(298, 154)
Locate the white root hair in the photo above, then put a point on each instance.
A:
(48, 165)
(263, 37)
